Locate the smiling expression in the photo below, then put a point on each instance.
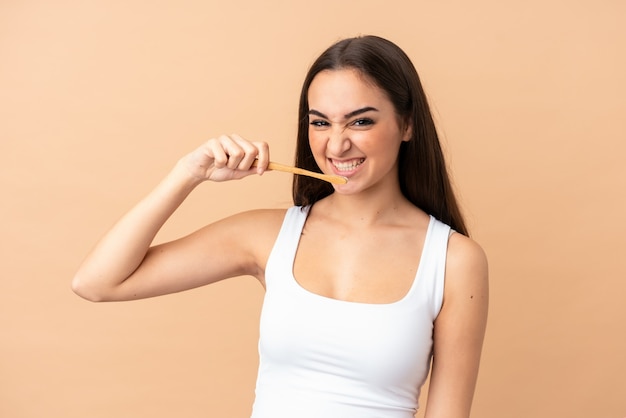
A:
(354, 130)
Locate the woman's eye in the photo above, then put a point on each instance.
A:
(319, 123)
(363, 122)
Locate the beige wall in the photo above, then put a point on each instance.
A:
(99, 98)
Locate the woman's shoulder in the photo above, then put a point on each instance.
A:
(258, 218)
(461, 245)
(249, 234)
(466, 264)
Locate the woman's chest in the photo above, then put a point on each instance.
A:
(367, 267)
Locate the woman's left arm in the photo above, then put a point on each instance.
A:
(459, 331)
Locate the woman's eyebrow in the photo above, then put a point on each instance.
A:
(347, 115)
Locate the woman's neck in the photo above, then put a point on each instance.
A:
(366, 209)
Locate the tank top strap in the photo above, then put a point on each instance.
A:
(283, 253)
(430, 277)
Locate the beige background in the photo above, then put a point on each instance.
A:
(99, 98)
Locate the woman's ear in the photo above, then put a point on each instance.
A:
(408, 131)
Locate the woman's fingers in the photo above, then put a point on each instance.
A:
(241, 153)
(263, 157)
(231, 157)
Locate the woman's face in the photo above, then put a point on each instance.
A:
(354, 130)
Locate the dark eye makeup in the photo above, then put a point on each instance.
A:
(362, 122)
(356, 123)
(319, 123)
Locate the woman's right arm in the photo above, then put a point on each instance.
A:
(124, 266)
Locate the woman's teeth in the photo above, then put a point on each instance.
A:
(348, 165)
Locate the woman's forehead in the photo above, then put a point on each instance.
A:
(342, 91)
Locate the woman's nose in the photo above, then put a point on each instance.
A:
(338, 141)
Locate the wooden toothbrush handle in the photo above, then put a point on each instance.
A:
(296, 170)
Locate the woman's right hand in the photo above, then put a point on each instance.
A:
(227, 157)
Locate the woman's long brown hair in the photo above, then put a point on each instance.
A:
(422, 170)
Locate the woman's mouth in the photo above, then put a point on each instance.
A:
(347, 165)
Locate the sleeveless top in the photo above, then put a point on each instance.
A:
(327, 358)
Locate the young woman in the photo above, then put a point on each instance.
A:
(366, 282)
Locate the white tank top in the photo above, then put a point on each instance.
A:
(326, 358)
